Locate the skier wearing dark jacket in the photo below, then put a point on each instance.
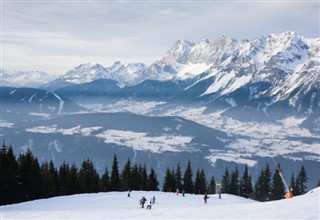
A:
(143, 201)
(205, 198)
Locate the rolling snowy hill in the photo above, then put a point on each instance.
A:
(116, 205)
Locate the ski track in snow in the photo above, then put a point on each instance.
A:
(60, 104)
(30, 99)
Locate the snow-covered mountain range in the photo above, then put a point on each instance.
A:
(288, 62)
(24, 78)
(282, 67)
(263, 94)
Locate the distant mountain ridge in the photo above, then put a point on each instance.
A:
(281, 70)
(263, 94)
(262, 59)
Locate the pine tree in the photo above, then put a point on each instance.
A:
(144, 178)
(234, 182)
(115, 180)
(136, 178)
(197, 183)
(140, 181)
(293, 185)
(200, 183)
(125, 178)
(152, 181)
(8, 176)
(88, 177)
(258, 188)
(263, 185)
(267, 184)
(212, 186)
(73, 185)
(203, 182)
(225, 181)
(105, 181)
(246, 188)
(167, 183)
(49, 176)
(278, 187)
(188, 179)
(173, 181)
(301, 181)
(30, 177)
(178, 178)
(12, 175)
(63, 176)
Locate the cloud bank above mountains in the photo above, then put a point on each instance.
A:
(56, 36)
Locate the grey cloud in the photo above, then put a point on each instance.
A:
(136, 31)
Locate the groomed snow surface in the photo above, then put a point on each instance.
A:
(116, 205)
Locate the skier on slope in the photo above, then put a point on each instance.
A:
(143, 201)
(150, 204)
(154, 199)
(205, 198)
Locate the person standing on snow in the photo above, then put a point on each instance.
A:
(154, 199)
(205, 198)
(219, 193)
(143, 201)
(150, 204)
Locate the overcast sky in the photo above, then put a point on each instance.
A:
(57, 36)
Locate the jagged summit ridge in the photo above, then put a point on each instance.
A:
(275, 58)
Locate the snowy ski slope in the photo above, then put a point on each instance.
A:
(116, 205)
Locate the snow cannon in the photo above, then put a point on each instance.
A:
(289, 194)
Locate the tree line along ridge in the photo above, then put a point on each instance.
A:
(24, 179)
